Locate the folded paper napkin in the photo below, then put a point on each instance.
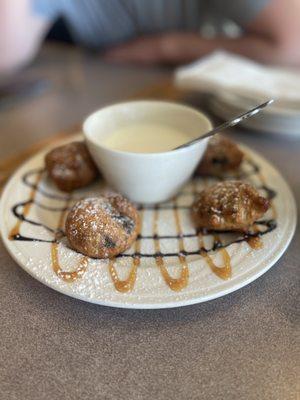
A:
(225, 72)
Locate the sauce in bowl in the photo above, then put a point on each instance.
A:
(146, 138)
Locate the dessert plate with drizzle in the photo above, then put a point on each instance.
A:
(169, 265)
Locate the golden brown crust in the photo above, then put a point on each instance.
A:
(71, 166)
(222, 155)
(102, 227)
(228, 206)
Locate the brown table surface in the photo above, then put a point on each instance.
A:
(241, 346)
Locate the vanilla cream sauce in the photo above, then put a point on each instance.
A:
(146, 138)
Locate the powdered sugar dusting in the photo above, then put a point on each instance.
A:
(150, 289)
(229, 205)
(102, 226)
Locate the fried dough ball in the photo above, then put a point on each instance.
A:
(222, 155)
(102, 227)
(229, 206)
(71, 166)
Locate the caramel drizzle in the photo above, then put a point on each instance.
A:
(127, 285)
(223, 272)
(175, 284)
(67, 276)
(264, 183)
(15, 231)
(255, 242)
(184, 276)
(70, 276)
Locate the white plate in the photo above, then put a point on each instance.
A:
(150, 289)
(271, 120)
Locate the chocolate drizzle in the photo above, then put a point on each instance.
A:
(22, 217)
(21, 238)
(32, 180)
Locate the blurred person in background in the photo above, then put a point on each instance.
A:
(152, 31)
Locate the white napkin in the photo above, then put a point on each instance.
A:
(240, 76)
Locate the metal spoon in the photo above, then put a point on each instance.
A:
(228, 124)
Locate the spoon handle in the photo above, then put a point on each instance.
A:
(228, 124)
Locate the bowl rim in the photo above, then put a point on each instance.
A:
(168, 153)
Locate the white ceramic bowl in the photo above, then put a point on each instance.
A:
(146, 177)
